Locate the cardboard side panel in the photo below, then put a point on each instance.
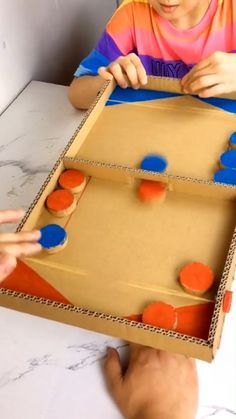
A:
(226, 284)
(168, 84)
(128, 175)
(35, 210)
(90, 119)
(111, 326)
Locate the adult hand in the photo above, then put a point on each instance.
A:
(156, 384)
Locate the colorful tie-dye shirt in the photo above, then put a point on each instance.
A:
(163, 49)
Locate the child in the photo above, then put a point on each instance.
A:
(14, 245)
(192, 40)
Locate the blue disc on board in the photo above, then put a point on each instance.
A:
(52, 235)
(232, 140)
(154, 163)
(228, 159)
(227, 176)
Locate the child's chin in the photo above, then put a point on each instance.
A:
(168, 15)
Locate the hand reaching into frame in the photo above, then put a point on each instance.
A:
(156, 384)
(15, 245)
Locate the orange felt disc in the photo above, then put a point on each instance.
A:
(60, 200)
(160, 315)
(71, 179)
(196, 277)
(150, 190)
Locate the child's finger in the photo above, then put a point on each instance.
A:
(23, 236)
(118, 74)
(202, 65)
(207, 71)
(20, 250)
(7, 265)
(142, 75)
(11, 216)
(202, 83)
(113, 372)
(131, 72)
(105, 74)
(219, 89)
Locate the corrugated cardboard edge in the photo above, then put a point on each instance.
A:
(37, 305)
(128, 330)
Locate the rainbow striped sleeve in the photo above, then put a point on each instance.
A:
(163, 49)
(115, 41)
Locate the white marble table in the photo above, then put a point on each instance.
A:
(50, 370)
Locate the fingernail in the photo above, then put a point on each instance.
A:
(37, 234)
(37, 248)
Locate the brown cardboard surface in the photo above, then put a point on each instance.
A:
(191, 137)
(137, 250)
(123, 254)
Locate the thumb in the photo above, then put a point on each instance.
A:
(105, 74)
(7, 265)
(113, 371)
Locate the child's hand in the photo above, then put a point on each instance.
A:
(156, 384)
(127, 71)
(213, 76)
(14, 245)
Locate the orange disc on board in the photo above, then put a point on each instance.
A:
(196, 278)
(61, 203)
(72, 180)
(150, 190)
(160, 315)
(60, 200)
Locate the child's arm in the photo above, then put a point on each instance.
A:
(83, 90)
(213, 76)
(156, 384)
(112, 57)
(127, 71)
(14, 245)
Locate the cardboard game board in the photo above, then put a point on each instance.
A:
(123, 254)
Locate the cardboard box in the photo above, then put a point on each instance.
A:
(123, 254)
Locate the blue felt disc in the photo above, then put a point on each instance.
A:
(228, 159)
(226, 176)
(232, 140)
(154, 163)
(52, 235)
